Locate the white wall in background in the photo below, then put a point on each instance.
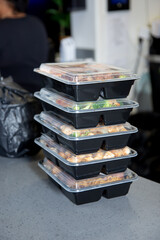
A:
(142, 14)
(100, 28)
(82, 26)
(117, 42)
(153, 9)
(113, 35)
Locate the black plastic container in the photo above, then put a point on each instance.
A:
(88, 169)
(87, 81)
(89, 118)
(85, 140)
(92, 170)
(94, 193)
(91, 145)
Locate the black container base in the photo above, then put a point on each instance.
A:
(96, 194)
(91, 92)
(90, 119)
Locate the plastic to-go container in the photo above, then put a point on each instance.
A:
(90, 189)
(86, 114)
(86, 140)
(86, 165)
(101, 80)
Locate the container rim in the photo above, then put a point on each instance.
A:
(47, 125)
(87, 188)
(131, 104)
(131, 155)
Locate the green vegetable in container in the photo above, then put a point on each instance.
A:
(75, 134)
(78, 134)
(107, 104)
(98, 105)
(122, 76)
(76, 107)
(88, 106)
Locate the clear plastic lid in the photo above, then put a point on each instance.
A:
(101, 180)
(57, 125)
(61, 101)
(82, 72)
(69, 157)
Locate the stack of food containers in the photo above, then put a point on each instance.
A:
(85, 129)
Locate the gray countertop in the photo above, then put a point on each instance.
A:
(32, 207)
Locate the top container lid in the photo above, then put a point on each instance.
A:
(102, 179)
(53, 98)
(84, 73)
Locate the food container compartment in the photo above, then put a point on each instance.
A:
(86, 165)
(86, 114)
(86, 140)
(102, 80)
(90, 189)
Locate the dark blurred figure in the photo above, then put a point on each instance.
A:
(23, 44)
(146, 143)
(154, 66)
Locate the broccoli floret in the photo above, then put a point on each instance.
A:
(75, 134)
(76, 107)
(122, 76)
(88, 106)
(107, 104)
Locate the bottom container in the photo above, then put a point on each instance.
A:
(90, 189)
